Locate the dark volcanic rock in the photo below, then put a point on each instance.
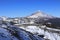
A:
(49, 22)
(54, 23)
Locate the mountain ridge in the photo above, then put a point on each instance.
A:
(39, 14)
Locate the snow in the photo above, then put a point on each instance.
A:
(5, 35)
(48, 34)
(4, 26)
(14, 33)
(32, 29)
(39, 14)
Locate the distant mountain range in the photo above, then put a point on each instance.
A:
(37, 17)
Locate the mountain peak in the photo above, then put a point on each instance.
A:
(39, 14)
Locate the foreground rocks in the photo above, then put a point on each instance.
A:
(14, 33)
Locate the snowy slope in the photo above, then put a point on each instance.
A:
(15, 33)
(49, 33)
(39, 14)
(5, 35)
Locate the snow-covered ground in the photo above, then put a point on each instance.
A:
(49, 33)
(5, 35)
(14, 33)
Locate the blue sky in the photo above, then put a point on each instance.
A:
(19, 8)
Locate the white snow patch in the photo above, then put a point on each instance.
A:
(40, 31)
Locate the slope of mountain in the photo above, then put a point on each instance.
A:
(39, 14)
(45, 19)
(54, 23)
(46, 33)
(8, 31)
(12, 32)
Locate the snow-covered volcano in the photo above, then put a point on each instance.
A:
(40, 14)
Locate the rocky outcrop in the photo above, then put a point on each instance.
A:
(11, 32)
